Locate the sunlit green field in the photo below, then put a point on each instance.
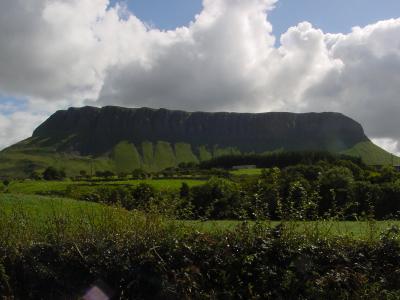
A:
(328, 228)
(39, 208)
(246, 172)
(35, 187)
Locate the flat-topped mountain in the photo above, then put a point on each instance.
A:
(123, 139)
(91, 130)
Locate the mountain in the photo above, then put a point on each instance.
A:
(123, 139)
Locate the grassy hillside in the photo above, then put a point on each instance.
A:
(126, 157)
(184, 153)
(35, 155)
(371, 154)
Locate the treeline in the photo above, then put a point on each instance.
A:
(302, 192)
(278, 159)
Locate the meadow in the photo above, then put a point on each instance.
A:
(57, 248)
(42, 187)
(255, 171)
(37, 210)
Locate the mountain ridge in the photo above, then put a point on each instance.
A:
(97, 130)
(122, 139)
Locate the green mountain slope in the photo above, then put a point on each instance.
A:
(371, 154)
(121, 139)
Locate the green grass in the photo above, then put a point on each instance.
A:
(246, 172)
(20, 161)
(37, 154)
(184, 153)
(328, 228)
(164, 156)
(225, 151)
(126, 157)
(42, 206)
(204, 154)
(37, 209)
(371, 154)
(35, 187)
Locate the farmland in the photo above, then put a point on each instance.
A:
(320, 230)
(38, 209)
(63, 246)
(40, 187)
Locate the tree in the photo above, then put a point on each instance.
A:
(138, 174)
(336, 189)
(269, 195)
(218, 198)
(52, 173)
(184, 190)
(35, 176)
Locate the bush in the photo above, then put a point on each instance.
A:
(217, 199)
(153, 261)
(52, 173)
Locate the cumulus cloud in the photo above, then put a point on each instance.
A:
(59, 53)
(14, 127)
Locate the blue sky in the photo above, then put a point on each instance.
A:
(93, 57)
(331, 16)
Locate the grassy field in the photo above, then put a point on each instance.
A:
(349, 229)
(35, 187)
(36, 209)
(371, 154)
(57, 248)
(246, 172)
(41, 206)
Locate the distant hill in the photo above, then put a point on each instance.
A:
(123, 139)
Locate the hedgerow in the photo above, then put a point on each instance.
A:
(148, 258)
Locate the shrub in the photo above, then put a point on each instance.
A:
(52, 173)
(217, 199)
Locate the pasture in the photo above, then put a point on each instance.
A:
(38, 211)
(29, 187)
(246, 172)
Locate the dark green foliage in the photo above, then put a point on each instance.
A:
(388, 205)
(105, 174)
(387, 174)
(184, 191)
(247, 263)
(279, 159)
(139, 174)
(52, 173)
(217, 199)
(335, 189)
(35, 176)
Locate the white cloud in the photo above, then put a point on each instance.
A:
(14, 127)
(389, 144)
(69, 52)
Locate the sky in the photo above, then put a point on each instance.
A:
(210, 55)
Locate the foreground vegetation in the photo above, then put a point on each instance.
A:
(58, 248)
(301, 186)
(305, 227)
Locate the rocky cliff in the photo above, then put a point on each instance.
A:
(124, 139)
(95, 131)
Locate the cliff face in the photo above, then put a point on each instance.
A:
(95, 131)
